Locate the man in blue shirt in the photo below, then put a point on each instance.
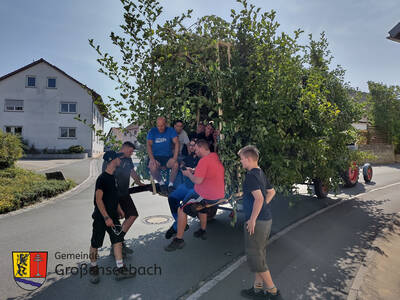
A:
(163, 150)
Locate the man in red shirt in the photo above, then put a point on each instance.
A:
(209, 188)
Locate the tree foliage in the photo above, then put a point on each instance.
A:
(258, 85)
(384, 110)
(10, 149)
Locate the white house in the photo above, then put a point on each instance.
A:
(40, 101)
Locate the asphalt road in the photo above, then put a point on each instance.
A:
(319, 258)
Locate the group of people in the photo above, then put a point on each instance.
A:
(167, 146)
(195, 156)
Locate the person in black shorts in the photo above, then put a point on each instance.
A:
(123, 174)
(257, 195)
(105, 219)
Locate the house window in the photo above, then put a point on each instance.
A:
(14, 130)
(68, 107)
(30, 81)
(67, 132)
(14, 105)
(51, 83)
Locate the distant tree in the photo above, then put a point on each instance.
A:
(384, 110)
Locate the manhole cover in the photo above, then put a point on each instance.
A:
(155, 220)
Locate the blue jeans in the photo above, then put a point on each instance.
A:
(174, 200)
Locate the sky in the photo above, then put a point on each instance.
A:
(58, 31)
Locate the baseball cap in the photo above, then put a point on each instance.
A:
(111, 155)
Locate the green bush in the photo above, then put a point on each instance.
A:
(10, 149)
(24, 144)
(19, 188)
(76, 149)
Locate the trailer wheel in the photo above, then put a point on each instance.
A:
(211, 212)
(367, 172)
(350, 176)
(321, 189)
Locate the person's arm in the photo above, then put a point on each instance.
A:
(257, 205)
(136, 177)
(194, 179)
(186, 140)
(149, 149)
(120, 212)
(270, 194)
(102, 208)
(175, 140)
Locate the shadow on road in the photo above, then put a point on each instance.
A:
(183, 267)
(324, 255)
(324, 252)
(357, 189)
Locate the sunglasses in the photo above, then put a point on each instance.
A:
(192, 145)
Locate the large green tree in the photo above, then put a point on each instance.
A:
(260, 86)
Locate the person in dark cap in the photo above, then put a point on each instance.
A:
(123, 173)
(106, 219)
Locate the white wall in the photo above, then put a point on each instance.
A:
(360, 126)
(98, 121)
(41, 119)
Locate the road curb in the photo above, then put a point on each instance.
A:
(366, 263)
(92, 169)
(203, 288)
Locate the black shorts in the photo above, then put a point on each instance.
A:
(193, 204)
(99, 231)
(163, 160)
(128, 206)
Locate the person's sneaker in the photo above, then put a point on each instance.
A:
(273, 296)
(251, 293)
(123, 273)
(126, 250)
(94, 276)
(200, 234)
(170, 232)
(175, 244)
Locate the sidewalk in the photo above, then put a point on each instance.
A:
(381, 277)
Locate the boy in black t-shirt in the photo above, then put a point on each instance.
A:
(105, 218)
(257, 194)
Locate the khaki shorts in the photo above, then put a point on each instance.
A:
(256, 246)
